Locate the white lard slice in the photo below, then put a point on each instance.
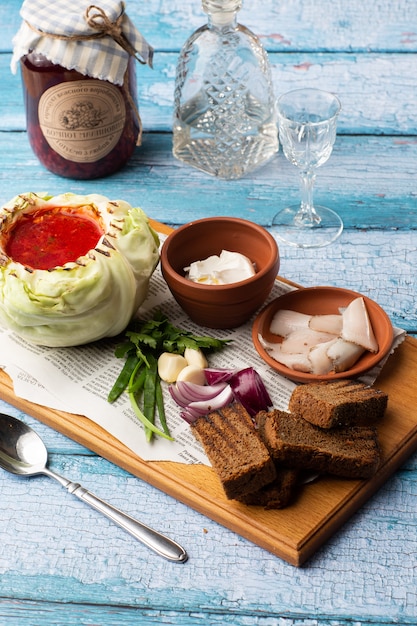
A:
(301, 340)
(319, 358)
(344, 354)
(285, 321)
(331, 323)
(298, 362)
(357, 327)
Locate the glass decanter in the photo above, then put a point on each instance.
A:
(224, 112)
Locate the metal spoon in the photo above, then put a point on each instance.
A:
(23, 452)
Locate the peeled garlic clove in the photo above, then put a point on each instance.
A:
(300, 341)
(195, 357)
(284, 322)
(344, 354)
(331, 323)
(170, 365)
(192, 374)
(357, 327)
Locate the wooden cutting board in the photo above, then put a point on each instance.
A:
(293, 533)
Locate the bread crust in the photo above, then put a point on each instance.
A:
(238, 456)
(351, 452)
(277, 494)
(339, 403)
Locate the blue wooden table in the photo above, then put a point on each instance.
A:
(62, 563)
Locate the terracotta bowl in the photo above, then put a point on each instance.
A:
(315, 301)
(220, 306)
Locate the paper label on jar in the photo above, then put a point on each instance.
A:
(82, 120)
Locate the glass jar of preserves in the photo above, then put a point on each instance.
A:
(79, 81)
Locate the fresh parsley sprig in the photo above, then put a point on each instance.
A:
(141, 347)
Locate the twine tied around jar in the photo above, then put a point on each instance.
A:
(105, 27)
(97, 19)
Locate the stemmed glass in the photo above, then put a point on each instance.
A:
(307, 129)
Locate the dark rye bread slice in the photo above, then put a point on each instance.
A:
(338, 403)
(351, 452)
(277, 494)
(237, 455)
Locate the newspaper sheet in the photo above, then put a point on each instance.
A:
(77, 380)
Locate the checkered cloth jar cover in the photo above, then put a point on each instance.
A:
(96, 40)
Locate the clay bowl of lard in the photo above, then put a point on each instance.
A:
(322, 333)
(220, 270)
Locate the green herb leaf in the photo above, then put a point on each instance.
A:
(142, 345)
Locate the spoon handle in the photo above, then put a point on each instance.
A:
(154, 540)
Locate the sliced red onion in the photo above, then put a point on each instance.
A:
(196, 409)
(214, 376)
(177, 397)
(189, 416)
(224, 385)
(185, 392)
(199, 392)
(249, 389)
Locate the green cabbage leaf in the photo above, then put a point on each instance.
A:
(86, 300)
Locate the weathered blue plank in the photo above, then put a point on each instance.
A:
(80, 557)
(369, 192)
(375, 98)
(283, 26)
(48, 614)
